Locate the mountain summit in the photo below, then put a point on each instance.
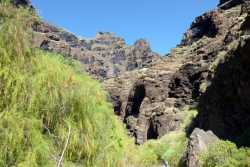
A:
(104, 56)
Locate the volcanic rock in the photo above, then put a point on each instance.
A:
(20, 3)
(199, 141)
(104, 56)
(227, 100)
(179, 78)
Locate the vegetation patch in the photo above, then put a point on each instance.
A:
(42, 96)
(225, 153)
(220, 59)
(233, 46)
(172, 147)
(169, 111)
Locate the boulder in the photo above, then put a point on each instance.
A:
(199, 141)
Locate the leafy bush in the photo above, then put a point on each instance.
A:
(223, 154)
(220, 59)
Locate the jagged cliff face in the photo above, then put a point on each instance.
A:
(226, 99)
(181, 77)
(142, 102)
(148, 92)
(104, 56)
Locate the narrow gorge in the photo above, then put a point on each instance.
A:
(201, 87)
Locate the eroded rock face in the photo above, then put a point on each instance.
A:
(104, 56)
(203, 25)
(199, 140)
(227, 100)
(180, 77)
(202, 55)
(146, 104)
(218, 76)
(140, 99)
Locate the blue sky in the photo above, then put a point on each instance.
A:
(161, 22)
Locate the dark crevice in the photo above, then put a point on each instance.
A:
(177, 82)
(194, 78)
(139, 96)
(152, 133)
(117, 108)
(135, 102)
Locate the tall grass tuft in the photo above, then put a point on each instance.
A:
(38, 90)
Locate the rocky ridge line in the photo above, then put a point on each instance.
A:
(104, 56)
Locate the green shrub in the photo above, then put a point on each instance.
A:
(188, 116)
(223, 154)
(220, 58)
(203, 87)
(169, 111)
(233, 46)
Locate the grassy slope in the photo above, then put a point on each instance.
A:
(40, 93)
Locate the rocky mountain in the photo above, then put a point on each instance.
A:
(104, 56)
(185, 76)
(149, 92)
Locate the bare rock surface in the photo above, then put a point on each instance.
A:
(199, 141)
(227, 100)
(22, 2)
(104, 56)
